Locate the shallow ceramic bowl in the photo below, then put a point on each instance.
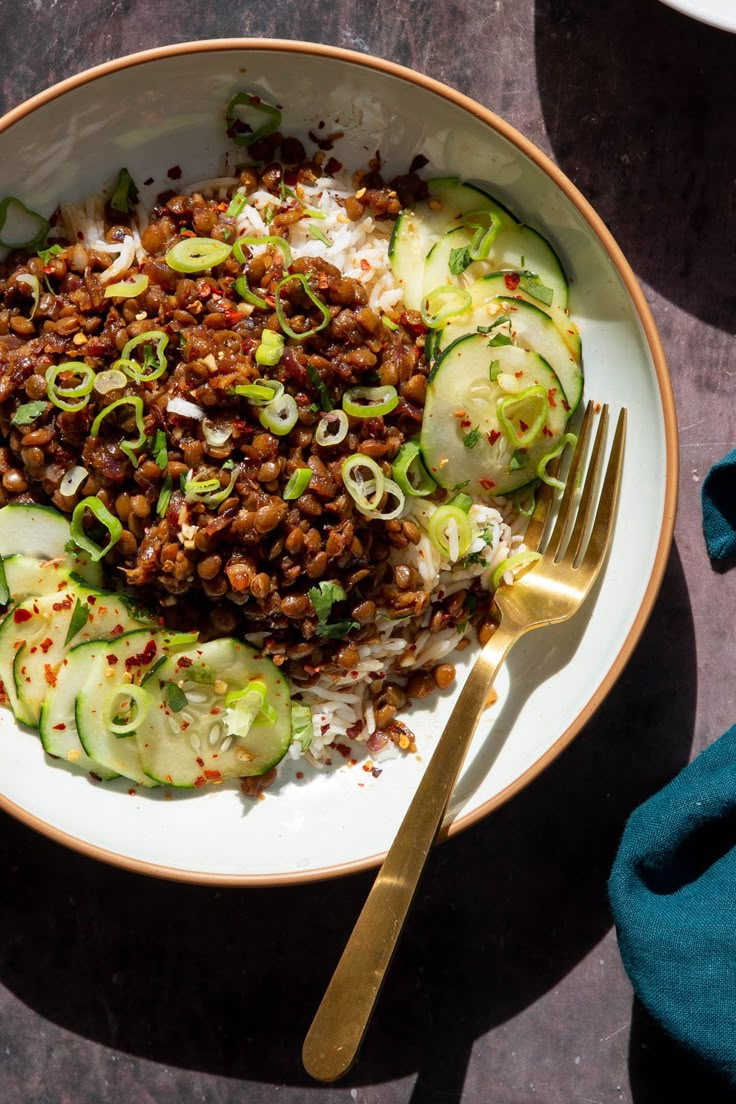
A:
(157, 110)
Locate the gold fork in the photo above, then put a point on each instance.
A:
(551, 591)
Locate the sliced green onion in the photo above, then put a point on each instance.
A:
(320, 387)
(450, 532)
(246, 707)
(112, 379)
(267, 239)
(261, 392)
(461, 502)
(280, 416)
(128, 447)
(216, 435)
(128, 288)
(271, 349)
(60, 394)
(410, 473)
(522, 438)
(332, 428)
(42, 225)
(237, 204)
(366, 493)
(249, 296)
(174, 640)
(132, 700)
(319, 234)
(197, 254)
(297, 484)
(164, 495)
(486, 225)
(302, 729)
(370, 402)
(393, 490)
(154, 345)
(389, 322)
(125, 193)
(209, 491)
(103, 515)
(31, 282)
(443, 304)
(528, 509)
(564, 441)
(241, 132)
(326, 316)
(517, 560)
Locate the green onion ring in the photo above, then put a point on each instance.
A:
(323, 434)
(137, 371)
(237, 205)
(326, 316)
(197, 254)
(376, 513)
(410, 473)
(280, 416)
(444, 303)
(38, 238)
(376, 401)
(128, 288)
(437, 531)
(210, 492)
(59, 395)
(103, 515)
(128, 447)
(297, 484)
(356, 485)
(536, 393)
(271, 349)
(235, 126)
(30, 281)
(139, 698)
(273, 240)
(517, 560)
(261, 392)
(249, 296)
(564, 441)
(486, 225)
(461, 502)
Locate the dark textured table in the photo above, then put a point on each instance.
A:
(507, 987)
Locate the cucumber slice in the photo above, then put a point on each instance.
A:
(415, 232)
(42, 532)
(93, 672)
(24, 622)
(192, 745)
(529, 327)
(26, 576)
(37, 660)
(462, 398)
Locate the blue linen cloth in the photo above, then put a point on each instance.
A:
(673, 884)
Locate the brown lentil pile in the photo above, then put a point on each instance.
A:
(247, 564)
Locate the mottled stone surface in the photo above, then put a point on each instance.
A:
(508, 987)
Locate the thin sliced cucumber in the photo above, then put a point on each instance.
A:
(416, 231)
(512, 286)
(42, 532)
(187, 743)
(24, 622)
(26, 576)
(529, 327)
(96, 670)
(463, 440)
(37, 661)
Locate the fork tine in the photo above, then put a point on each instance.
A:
(601, 531)
(555, 540)
(585, 506)
(538, 520)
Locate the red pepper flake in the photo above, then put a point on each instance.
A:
(565, 405)
(232, 317)
(365, 265)
(117, 631)
(112, 660)
(200, 762)
(354, 731)
(493, 436)
(511, 280)
(377, 772)
(551, 396)
(46, 644)
(65, 605)
(466, 423)
(518, 374)
(344, 750)
(91, 599)
(183, 661)
(211, 775)
(188, 234)
(59, 727)
(174, 172)
(199, 782)
(487, 484)
(21, 615)
(142, 659)
(132, 793)
(547, 432)
(523, 426)
(49, 675)
(300, 775)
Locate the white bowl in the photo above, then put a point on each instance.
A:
(164, 108)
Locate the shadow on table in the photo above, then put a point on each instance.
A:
(634, 97)
(227, 981)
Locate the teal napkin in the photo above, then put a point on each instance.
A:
(673, 895)
(718, 498)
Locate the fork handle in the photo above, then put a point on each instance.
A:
(342, 1018)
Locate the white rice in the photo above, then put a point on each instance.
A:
(359, 250)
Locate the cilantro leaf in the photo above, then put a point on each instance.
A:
(498, 322)
(160, 451)
(459, 260)
(176, 699)
(28, 412)
(47, 254)
(324, 597)
(532, 285)
(499, 339)
(338, 630)
(320, 235)
(471, 439)
(80, 615)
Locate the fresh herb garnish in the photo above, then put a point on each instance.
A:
(28, 412)
(494, 370)
(201, 672)
(80, 615)
(532, 285)
(338, 630)
(301, 724)
(164, 497)
(176, 699)
(4, 588)
(499, 339)
(518, 460)
(324, 596)
(459, 259)
(160, 451)
(285, 191)
(471, 439)
(269, 214)
(461, 486)
(318, 384)
(320, 235)
(498, 322)
(47, 254)
(125, 194)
